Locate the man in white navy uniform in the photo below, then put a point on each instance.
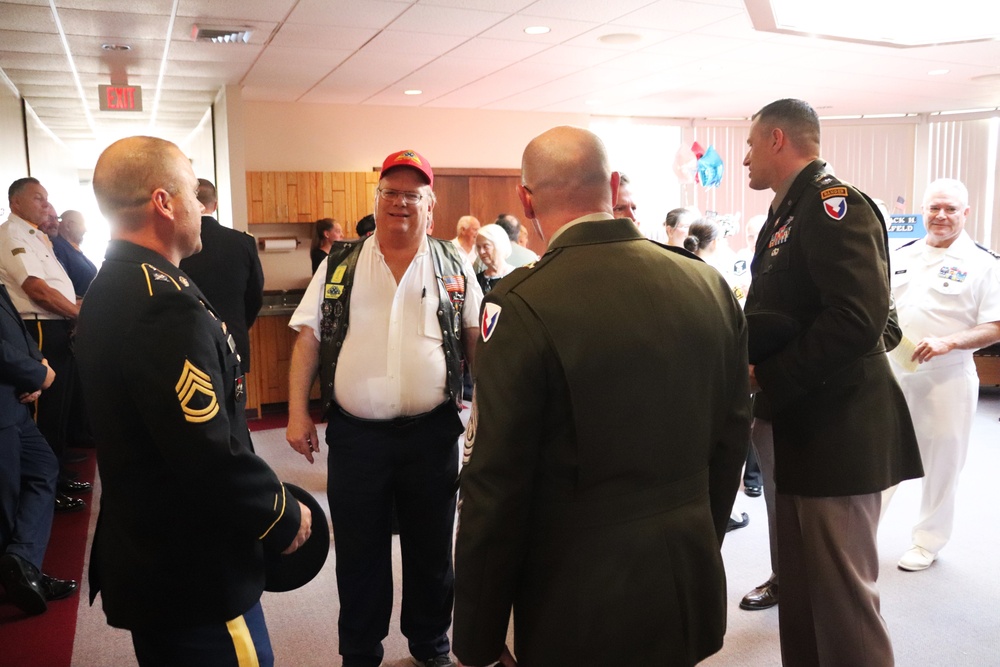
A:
(386, 322)
(947, 291)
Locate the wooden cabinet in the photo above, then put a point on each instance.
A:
(271, 344)
(306, 196)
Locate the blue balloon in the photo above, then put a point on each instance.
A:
(710, 168)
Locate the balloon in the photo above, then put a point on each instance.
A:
(710, 168)
(685, 166)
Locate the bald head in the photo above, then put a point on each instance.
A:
(565, 174)
(128, 172)
(147, 189)
(72, 226)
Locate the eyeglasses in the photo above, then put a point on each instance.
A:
(393, 196)
(933, 209)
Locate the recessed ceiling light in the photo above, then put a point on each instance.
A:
(619, 38)
(711, 67)
(594, 102)
(116, 47)
(938, 72)
(413, 91)
(537, 30)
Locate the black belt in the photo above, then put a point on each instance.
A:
(395, 423)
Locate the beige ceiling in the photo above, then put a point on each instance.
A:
(692, 59)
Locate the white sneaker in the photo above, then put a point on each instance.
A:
(916, 559)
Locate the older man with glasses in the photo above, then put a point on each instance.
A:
(387, 323)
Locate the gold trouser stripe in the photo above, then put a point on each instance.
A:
(246, 654)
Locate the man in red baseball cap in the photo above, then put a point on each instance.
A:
(392, 391)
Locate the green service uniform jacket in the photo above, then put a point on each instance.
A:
(841, 425)
(187, 507)
(610, 426)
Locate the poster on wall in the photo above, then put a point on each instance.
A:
(904, 227)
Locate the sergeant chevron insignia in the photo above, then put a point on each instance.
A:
(196, 394)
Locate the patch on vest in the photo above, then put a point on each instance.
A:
(338, 274)
(470, 431)
(333, 291)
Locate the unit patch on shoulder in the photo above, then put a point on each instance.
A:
(491, 315)
(333, 291)
(17, 251)
(196, 394)
(835, 207)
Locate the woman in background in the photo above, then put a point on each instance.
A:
(327, 231)
(493, 249)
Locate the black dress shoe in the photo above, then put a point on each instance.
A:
(764, 596)
(23, 584)
(72, 486)
(57, 589)
(753, 491)
(66, 504)
(734, 524)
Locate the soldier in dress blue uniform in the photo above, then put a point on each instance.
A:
(187, 508)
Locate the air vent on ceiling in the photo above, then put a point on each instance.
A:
(221, 35)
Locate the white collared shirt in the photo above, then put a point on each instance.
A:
(392, 361)
(940, 291)
(25, 251)
(591, 217)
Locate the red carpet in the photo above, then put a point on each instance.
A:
(47, 640)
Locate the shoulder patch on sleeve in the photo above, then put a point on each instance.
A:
(196, 394)
(491, 315)
(833, 192)
(17, 251)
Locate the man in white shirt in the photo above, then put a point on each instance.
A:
(947, 292)
(465, 237)
(44, 295)
(386, 323)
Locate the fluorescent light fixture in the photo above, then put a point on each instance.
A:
(620, 38)
(937, 72)
(163, 66)
(537, 30)
(72, 68)
(413, 91)
(897, 23)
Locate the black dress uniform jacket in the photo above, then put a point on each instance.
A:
(841, 425)
(610, 426)
(187, 507)
(21, 368)
(228, 272)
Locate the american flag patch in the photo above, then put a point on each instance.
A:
(454, 283)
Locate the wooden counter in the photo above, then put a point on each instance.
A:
(271, 344)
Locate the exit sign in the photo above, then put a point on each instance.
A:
(120, 98)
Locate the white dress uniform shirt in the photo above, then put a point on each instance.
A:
(392, 362)
(26, 251)
(940, 291)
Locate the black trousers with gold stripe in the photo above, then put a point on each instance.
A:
(241, 642)
(52, 411)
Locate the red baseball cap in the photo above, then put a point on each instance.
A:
(409, 158)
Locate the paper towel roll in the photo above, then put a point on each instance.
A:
(279, 245)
